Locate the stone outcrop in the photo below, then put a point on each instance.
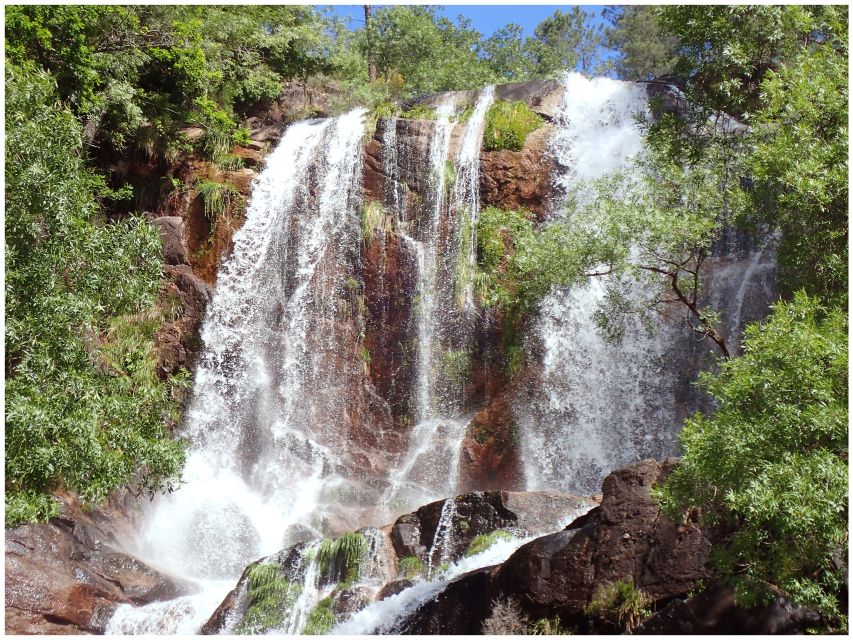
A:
(68, 576)
(714, 611)
(558, 574)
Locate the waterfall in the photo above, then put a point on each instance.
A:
(596, 404)
(267, 420)
(445, 255)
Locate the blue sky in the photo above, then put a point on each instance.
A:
(484, 18)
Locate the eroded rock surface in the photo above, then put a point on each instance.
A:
(67, 576)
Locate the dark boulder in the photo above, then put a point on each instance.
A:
(714, 612)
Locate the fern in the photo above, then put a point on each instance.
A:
(217, 197)
(340, 559)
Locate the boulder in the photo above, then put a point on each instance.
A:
(172, 237)
(69, 575)
(520, 513)
(714, 612)
(626, 536)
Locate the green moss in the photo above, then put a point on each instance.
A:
(321, 619)
(340, 559)
(270, 596)
(217, 197)
(620, 603)
(486, 540)
(508, 124)
(411, 567)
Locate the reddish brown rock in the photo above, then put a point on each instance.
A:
(626, 536)
(519, 179)
(68, 575)
(490, 457)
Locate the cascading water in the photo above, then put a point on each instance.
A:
(265, 420)
(597, 405)
(444, 253)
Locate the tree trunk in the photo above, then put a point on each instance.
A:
(371, 63)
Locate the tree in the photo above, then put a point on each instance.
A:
(371, 65)
(566, 41)
(508, 54)
(84, 408)
(643, 50)
(769, 466)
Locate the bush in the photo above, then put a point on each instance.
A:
(508, 124)
(769, 467)
(506, 619)
(340, 559)
(373, 220)
(620, 603)
(85, 409)
(320, 620)
(269, 598)
(486, 540)
(420, 112)
(230, 162)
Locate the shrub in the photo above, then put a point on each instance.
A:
(230, 162)
(373, 220)
(85, 409)
(506, 619)
(547, 627)
(769, 468)
(508, 124)
(269, 598)
(486, 540)
(217, 197)
(420, 112)
(620, 603)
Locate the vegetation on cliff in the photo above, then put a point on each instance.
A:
(85, 410)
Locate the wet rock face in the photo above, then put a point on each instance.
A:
(475, 514)
(519, 179)
(625, 536)
(389, 272)
(68, 576)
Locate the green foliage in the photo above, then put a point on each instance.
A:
(321, 619)
(486, 540)
(799, 170)
(270, 596)
(217, 197)
(420, 112)
(770, 465)
(340, 559)
(567, 41)
(374, 219)
(411, 567)
(231, 162)
(547, 627)
(85, 409)
(508, 125)
(643, 50)
(620, 603)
